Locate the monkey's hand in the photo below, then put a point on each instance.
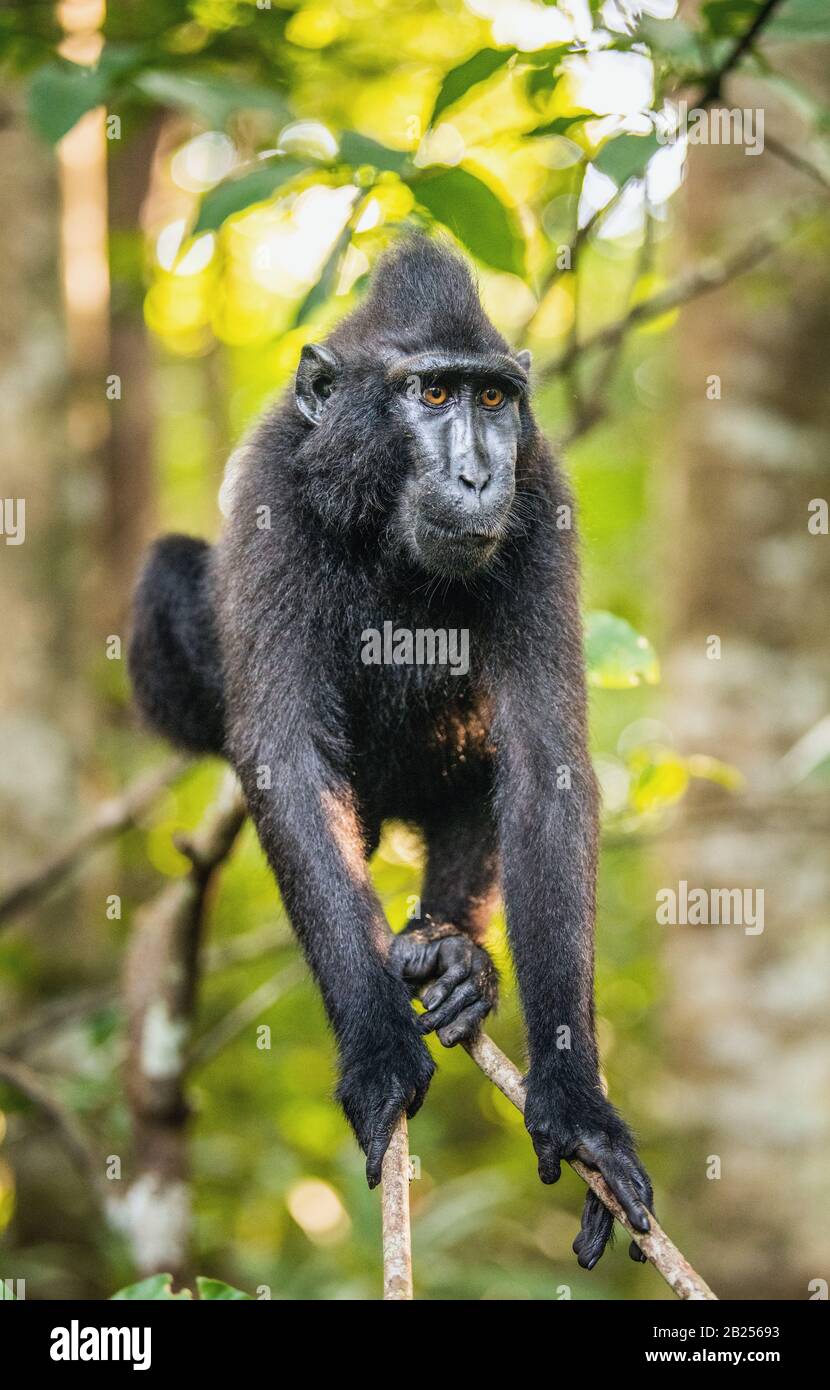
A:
(385, 1072)
(583, 1124)
(462, 979)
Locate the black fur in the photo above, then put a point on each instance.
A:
(478, 761)
(174, 657)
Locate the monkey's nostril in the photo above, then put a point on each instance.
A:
(473, 484)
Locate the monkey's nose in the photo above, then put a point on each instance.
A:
(472, 478)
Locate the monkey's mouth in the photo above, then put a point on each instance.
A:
(454, 549)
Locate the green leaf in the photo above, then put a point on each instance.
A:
(730, 18)
(213, 98)
(561, 125)
(798, 20)
(618, 657)
(660, 781)
(674, 38)
(158, 1288)
(358, 149)
(475, 70)
(626, 156)
(235, 194)
(474, 213)
(60, 93)
(215, 1290)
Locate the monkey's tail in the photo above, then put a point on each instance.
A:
(174, 657)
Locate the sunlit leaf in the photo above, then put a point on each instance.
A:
(475, 214)
(460, 80)
(158, 1288)
(617, 656)
(358, 149)
(561, 125)
(626, 156)
(234, 194)
(660, 783)
(215, 1290)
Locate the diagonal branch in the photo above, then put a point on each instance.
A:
(655, 1244)
(31, 1085)
(709, 275)
(246, 1012)
(712, 88)
(109, 819)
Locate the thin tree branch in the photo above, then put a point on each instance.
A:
(709, 92)
(31, 1085)
(797, 161)
(655, 1244)
(712, 88)
(108, 820)
(160, 983)
(397, 1239)
(593, 409)
(709, 275)
(248, 1011)
(66, 1010)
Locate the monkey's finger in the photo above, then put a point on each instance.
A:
(443, 987)
(595, 1232)
(380, 1139)
(643, 1186)
(464, 994)
(465, 1026)
(617, 1169)
(548, 1155)
(419, 962)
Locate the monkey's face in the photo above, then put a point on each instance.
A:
(453, 424)
(462, 434)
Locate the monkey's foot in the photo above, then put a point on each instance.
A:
(566, 1127)
(463, 980)
(380, 1081)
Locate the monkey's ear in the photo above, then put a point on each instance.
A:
(524, 359)
(317, 374)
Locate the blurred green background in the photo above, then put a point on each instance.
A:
(195, 190)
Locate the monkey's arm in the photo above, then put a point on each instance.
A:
(311, 834)
(441, 948)
(547, 811)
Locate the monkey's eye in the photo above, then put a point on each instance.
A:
(492, 397)
(435, 395)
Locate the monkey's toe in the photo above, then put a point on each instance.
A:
(596, 1231)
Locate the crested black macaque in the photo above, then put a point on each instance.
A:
(404, 479)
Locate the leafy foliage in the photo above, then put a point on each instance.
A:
(617, 656)
(159, 1288)
(416, 119)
